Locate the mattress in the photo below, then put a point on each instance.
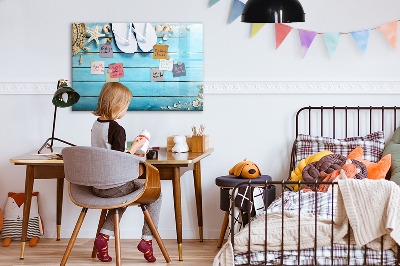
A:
(323, 205)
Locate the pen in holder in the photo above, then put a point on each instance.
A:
(200, 143)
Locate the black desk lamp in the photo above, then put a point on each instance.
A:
(273, 11)
(64, 97)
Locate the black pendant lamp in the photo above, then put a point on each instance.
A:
(273, 11)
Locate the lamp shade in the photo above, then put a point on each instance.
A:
(65, 96)
(273, 11)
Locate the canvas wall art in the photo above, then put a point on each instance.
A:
(161, 63)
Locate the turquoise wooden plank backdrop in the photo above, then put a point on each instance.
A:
(180, 94)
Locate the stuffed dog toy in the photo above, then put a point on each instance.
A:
(245, 169)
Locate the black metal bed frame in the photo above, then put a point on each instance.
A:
(283, 184)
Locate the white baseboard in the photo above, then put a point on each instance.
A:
(244, 87)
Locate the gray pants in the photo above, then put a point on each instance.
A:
(154, 208)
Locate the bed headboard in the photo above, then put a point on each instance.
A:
(345, 117)
(344, 121)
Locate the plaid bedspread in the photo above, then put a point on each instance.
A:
(321, 205)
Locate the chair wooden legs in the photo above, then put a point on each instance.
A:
(117, 239)
(101, 222)
(73, 237)
(78, 225)
(223, 229)
(154, 230)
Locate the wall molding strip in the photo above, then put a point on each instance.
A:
(243, 87)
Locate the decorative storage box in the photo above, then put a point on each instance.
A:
(200, 143)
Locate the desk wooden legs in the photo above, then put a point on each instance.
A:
(60, 190)
(27, 206)
(41, 172)
(176, 183)
(199, 204)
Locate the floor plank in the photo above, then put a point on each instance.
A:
(50, 252)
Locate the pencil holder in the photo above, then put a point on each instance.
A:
(200, 143)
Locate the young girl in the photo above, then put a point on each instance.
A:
(113, 103)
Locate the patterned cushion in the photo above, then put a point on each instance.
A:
(372, 144)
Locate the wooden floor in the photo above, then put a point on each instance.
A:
(50, 252)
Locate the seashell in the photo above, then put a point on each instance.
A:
(201, 95)
(175, 105)
(165, 37)
(109, 39)
(165, 27)
(80, 60)
(196, 103)
(179, 102)
(86, 48)
(158, 28)
(170, 28)
(106, 28)
(201, 88)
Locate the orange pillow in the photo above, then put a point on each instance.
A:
(375, 170)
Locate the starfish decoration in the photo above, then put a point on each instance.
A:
(94, 35)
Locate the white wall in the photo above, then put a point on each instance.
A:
(36, 48)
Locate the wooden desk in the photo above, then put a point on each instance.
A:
(168, 164)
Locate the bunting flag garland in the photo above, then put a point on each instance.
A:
(332, 41)
(213, 2)
(237, 9)
(256, 27)
(281, 31)
(361, 37)
(306, 39)
(389, 30)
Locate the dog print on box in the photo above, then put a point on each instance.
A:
(131, 46)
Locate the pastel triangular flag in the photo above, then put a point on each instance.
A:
(281, 31)
(389, 30)
(361, 37)
(237, 9)
(332, 41)
(256, 28)
(213, 2)
(306, 39)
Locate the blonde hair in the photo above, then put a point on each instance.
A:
(112, 99)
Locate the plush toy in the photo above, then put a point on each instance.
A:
(180, 144)
(375, 170)
(296, 174)
(13, 215)
(245, 169)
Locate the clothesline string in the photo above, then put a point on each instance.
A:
(342, 33)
